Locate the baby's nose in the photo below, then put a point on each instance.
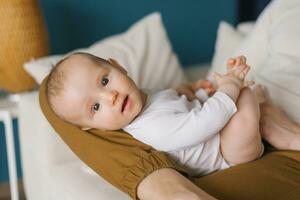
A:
(111, 97)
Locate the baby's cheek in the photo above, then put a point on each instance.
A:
(113, 122)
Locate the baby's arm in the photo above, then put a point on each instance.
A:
(169, 128)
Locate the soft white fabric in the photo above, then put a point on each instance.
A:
(254, 46)
(188, 131)
(228, 39)
(245, 27)
(202, 95)
(275, 42)
(144, 51)
(41, 67)
(280, 74)
(272, 49)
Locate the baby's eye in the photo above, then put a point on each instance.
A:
(96, 107)
(104, 80)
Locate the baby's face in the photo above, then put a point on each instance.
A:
(95, 96)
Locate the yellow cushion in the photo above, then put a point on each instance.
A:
(22, 37)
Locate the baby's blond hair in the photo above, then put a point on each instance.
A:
(55, 81)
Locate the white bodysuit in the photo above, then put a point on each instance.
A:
(187, 131)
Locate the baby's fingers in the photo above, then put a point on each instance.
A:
(244, 72)
(240, 60)
(230, 63)
(238, 70)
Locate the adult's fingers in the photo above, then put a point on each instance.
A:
(188, 92)
(201, 84)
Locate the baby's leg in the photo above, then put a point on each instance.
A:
(240, 138)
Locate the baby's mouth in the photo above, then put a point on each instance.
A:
(124, 103)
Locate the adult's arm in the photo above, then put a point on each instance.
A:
(168, 184)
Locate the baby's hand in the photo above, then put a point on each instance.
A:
(237, 69)
(240, 60)
(206, 85)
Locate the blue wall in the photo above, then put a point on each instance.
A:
(191, 24)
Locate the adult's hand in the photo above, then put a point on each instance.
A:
(168, 184)
(189, 89)
(204, 84)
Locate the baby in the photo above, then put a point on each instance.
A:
(213, 133)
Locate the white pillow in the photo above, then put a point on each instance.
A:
(254, 46)
(280, 74)
(41, 67)
(245, 27)
(228, 40)
(272, 50)
(144, 50)
(281, 70)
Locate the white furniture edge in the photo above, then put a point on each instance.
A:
(8, 111)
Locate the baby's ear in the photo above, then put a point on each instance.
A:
(115, 63)
(85, 128)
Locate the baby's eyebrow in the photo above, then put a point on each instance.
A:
(87, 106)
(102, 71)
(99, 77)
